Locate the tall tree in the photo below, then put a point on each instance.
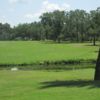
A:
(95, 24)
(97, 69)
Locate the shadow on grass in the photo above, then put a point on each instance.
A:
(70, 83)
(92, 45)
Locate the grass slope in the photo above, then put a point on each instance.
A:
(33, 52)
(49, 85)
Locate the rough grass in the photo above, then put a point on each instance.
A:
(28, 52)
(49, 85)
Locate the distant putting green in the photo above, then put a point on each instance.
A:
(49, 85)
(19, 52)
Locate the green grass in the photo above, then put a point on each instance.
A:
(49, 85)
(19, 52)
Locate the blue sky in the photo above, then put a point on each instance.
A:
(22, 11)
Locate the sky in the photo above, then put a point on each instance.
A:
(27, 11)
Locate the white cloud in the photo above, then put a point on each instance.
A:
(13, 1)
(19, 1)
(3, 19)
(65, 6)
(32, 16)
(50, 7)
(11, 10)
(29, 16)
(47, 7)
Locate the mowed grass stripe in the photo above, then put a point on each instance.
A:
(19, 52)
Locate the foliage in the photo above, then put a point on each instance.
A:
(75, 25)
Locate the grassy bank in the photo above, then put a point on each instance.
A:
(50, 67)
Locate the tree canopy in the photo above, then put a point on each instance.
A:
(75, 25)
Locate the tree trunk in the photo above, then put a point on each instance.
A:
(97, 69)
(94, 41)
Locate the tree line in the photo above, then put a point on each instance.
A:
(74, 25)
